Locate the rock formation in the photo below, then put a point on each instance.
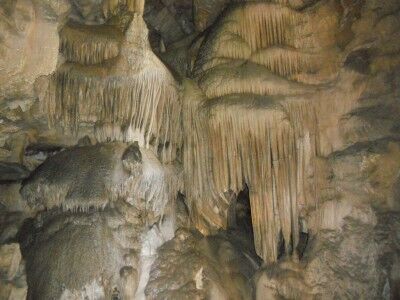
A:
(208, 149)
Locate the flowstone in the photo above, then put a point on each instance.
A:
(93, 216)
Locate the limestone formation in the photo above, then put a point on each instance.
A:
(13, 281)
(247, 113)
(29, 43)
(100, 204)
(213, 149)
(131, 99)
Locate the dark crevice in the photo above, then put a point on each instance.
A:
(240, 227)
(303, 239)
(239, 213)
(281, 246)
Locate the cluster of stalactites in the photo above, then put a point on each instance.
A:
(141, 108)
(258, 116)
(283, 61)
(269, 149)
(275, 36)
(251, 30)
(248, 78)
(133, 99)
(112, 7)
(89, 44)
(271, 25)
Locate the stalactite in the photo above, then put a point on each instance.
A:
(263, 71)
(257, 135)
(284, 61)
(270, 25)
(247, 29)
(278, 37)
(248, 78)
(143, 104)
(264, 146)
(270, 143)
(89, 44)
(132, 99)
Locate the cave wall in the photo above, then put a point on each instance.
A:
(104, 104)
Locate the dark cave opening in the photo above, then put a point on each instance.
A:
(303, 239)
(281, 246)
(240, 226)
(240, 221)
(239, 214)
